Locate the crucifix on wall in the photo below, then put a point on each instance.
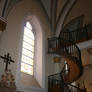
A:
(7, 60)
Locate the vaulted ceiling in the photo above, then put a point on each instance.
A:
(7, 4)
(46, 3)
(56, 10)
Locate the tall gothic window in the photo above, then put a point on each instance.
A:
(27, 56)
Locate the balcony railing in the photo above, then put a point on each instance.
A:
(56, 84)
(78, 35)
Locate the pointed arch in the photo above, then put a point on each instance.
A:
(37, 78)
(27, 54)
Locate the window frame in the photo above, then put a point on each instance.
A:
(31, 45)
(39, 69)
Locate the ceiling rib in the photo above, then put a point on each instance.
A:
(66, 10)
(4, 8)
(53, 14)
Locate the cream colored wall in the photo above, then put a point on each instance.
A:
(87, 73)
(29, 80)
(86, 57)
(11, 37)
(82, 7)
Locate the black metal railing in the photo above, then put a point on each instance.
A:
(70, 49)
(75, 35)
(56, 84)
(65, 46)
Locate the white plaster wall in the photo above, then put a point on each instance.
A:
(85, 44)
(11, 38)
(39, 68)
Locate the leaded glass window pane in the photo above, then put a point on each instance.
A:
(27, 58)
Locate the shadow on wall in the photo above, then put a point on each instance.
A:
(87, 73)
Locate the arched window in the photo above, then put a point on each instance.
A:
(27, 58)
(31, 65)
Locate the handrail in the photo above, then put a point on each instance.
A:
(66, 48)
(75, 35)
(61, 46)
(73, 47)
(54, 80)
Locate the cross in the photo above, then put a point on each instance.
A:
(7, 59)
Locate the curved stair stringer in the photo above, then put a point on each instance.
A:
(72, 55)
(75, 70)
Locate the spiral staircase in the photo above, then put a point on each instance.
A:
(65, 48)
